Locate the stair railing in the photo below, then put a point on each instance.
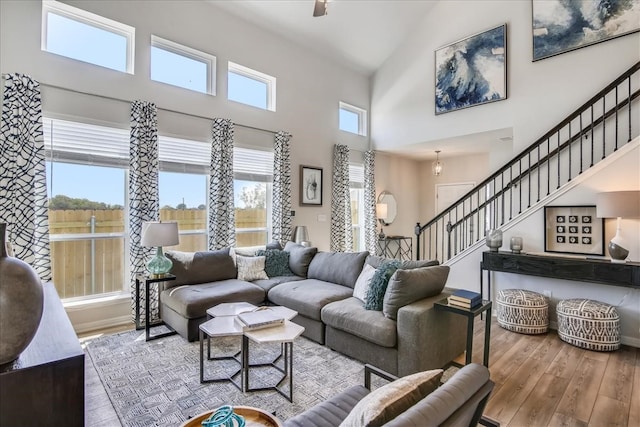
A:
(598, 128)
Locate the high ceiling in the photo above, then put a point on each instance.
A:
(359, 33)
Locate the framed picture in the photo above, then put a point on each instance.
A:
(310, 186)
(472, 71)
(561, 26)
(573, 230)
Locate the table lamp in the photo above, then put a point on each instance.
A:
(381, 214)
(301, 235)
(159, 234)
(618, 204)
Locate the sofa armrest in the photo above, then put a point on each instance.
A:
(428, 339)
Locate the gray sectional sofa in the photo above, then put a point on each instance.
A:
(407, 336)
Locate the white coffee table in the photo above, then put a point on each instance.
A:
(224, 326)
(283, 334)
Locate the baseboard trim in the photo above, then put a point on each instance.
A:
(82, 328)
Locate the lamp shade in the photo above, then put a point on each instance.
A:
(382, 210)
(618, 204)
(160, 234)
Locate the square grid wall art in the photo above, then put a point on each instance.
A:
(574, 230)
(472, 71)
(560, 26)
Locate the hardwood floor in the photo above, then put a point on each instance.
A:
(540, 381)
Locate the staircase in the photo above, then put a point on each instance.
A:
(601, 126)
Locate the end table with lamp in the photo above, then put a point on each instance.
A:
(148, 281)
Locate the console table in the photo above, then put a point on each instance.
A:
(600, 271)
(395, 247)
(45, 385)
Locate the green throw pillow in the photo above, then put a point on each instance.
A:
(378, 285)
(277, 262)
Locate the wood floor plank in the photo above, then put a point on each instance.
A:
(566, 362)
(618, 377)
(510, 359)
(524, 379)
(634, 410)
(609, 412)
(582, 391)
(560, 420)
(541, 404)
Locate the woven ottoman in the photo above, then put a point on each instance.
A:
(589, 324)
(521, 311)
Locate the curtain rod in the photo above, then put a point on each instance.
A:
(159, 108)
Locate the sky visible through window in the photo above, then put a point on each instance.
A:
(349, 121)
(86, 43)
(246, 90)
(178, 70)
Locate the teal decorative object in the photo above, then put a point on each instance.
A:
(224, 417)
(159, 234)
(378, 285)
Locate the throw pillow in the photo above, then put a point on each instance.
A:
(362, 284)
(299, 258)
(276, 262)
(408, 286)
(250, 268)
(191, 268)
(378, 286)
(387, 402)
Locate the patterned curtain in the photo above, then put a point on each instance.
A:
(341, 232)
(23, 184)
(144, 204)
(222, 217)
(370, 234)
(281, 216)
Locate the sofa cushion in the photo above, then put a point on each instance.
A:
(408, 286)
(277, 262)
(274, 245)
(191, 268)
(271, 282)
(342, 268)
(308, 296)
(251, 267)
(379, 283)
(349, 315)
(375, 261)
(361, 287)
(193, 301)
(329, 412)
(299, 258)
(387, 402)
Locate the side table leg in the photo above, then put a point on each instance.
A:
(245, 363)
(201, 357)
(147, 326)
(487, 336)
(467, 358)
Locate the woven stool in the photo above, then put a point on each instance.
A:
(589, 324)
(521, 311)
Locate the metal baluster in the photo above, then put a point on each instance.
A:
(511, 192)
(570, 151)
(520, 186)
(529, 178)
(478, 221)
(604, 126)
(548, 166)
(591, 136)
(558, 156)
(616, 147)
(503, 193)
(580, 143)
(538, 163)
(629, 99)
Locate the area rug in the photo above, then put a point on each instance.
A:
(157, 383)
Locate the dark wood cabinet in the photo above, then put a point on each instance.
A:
(45, 385)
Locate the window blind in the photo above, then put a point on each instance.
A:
(356, 176)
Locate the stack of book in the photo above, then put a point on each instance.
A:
(464, 298)
(259, 318)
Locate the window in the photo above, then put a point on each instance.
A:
(86, 174)
(182, 66)
(353, 119)
(81, 35)
(251, 87)
(356, 185)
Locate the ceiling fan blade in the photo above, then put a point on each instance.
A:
(320, 8)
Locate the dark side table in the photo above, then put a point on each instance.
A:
(148, 281)
(470, 314)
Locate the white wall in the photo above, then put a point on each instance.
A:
(309, 90)
(309, 87)
(540, 93)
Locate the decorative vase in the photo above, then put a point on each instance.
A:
(21, 301)
(494, 240)
(516, 245)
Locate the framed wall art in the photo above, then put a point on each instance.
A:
(573, 230)
(310, 186)
(472, 71)
(560, 26)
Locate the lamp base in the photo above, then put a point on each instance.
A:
(617, 252)
(159, 265)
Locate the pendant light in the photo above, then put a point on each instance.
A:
(436, 166)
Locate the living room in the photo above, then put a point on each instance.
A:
(398, 96)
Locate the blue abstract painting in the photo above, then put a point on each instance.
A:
(563, 25)
(472, 71)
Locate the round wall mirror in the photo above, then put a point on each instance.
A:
(387, 198)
